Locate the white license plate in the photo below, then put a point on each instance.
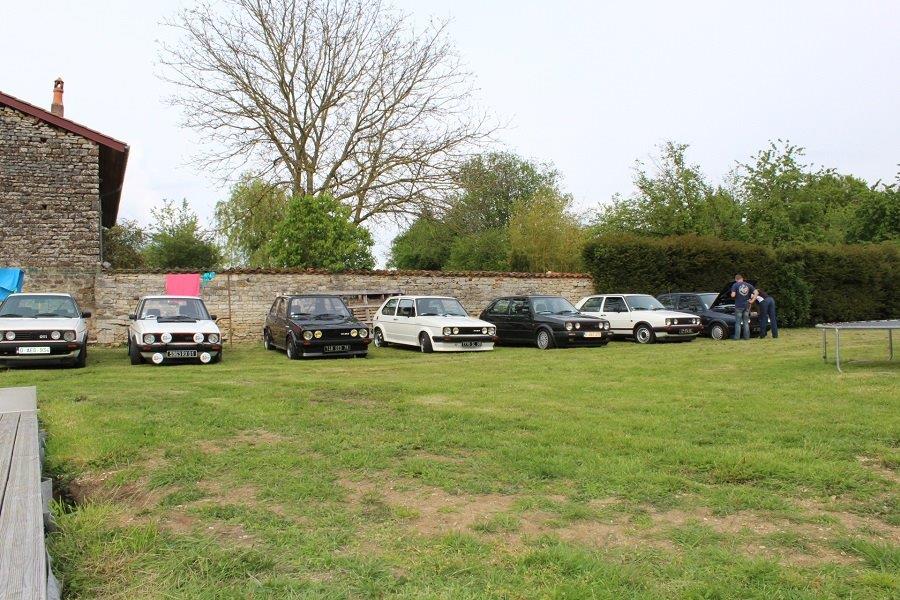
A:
(593, 334)
(181, 354)
(339, 348)
(33, 350)
(685, 331)
(470, 344)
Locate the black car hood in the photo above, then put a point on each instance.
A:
(343, 323)
(724, 296)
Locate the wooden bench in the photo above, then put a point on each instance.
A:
(24, 565)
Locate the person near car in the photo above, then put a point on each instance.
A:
(767, 315)
(744, 295)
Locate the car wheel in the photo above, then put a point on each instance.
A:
(425, 343)
(717, 332)
(379, 339)
(543, 340)
(267, 340)
(134, 354)
(644, 335)
(217, 358)
(81, 361)
(291, 349)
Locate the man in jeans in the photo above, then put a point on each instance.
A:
(744, 294)
(767, 316)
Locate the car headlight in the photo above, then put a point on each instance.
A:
(577, 325)
(363, 333)
(69, 336)
(10, 335)
(484, 330)
(318, 334)
(54, 335)
(307, 335)
(696, 321)
(353, 333)
(213, 338)
(606, 325)
(492, 330)
(149, 338)
(447, 330)
(455, 330)
(569, 327)
(166, 337)
(668, 321)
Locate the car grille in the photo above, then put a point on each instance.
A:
(683, 321)
(182, 338)
(32, 336)
(336, 334)
(470, 331)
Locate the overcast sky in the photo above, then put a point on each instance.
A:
(588, 86)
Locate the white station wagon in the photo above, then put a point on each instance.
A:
(433, 323)
(43, 328)
(642, 317)
(173, 329)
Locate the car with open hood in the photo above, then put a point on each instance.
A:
(43, 329)
(545, 321)
(431, 323)
(173, 329)
(716, 310)
(307, 325)
(641, 317)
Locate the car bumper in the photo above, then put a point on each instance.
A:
(577, 338)
(9, 351)
(358, 347)
(680, 332)
(147, 351)
(471, 343)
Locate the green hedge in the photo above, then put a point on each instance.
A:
(812, 284)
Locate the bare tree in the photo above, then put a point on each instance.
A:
(336, 96)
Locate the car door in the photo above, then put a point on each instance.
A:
(592, 306)
(405, 329)
(280, 325)
(520, 323)
(387, 320)
(616, 312)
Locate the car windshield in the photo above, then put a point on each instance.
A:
(708, 299)
(174, 309)
(440, 307)
(318, 307)
(552, 305)
(39, 306)
(643, 302)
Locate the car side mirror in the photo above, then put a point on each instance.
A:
(132, 317)
(85, 314)
(212, 317)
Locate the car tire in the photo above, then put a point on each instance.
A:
(425, 343)
(267, 340)
(81, 361)
(643, 334)
(378, 336)
(290, 348)
(217, 358)
(134, 354)
(544, 339)
(718, 332)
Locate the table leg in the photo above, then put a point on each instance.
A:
(890, 344)
(837, 349)
(825, 345)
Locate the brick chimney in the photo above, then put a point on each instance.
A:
(57, 107)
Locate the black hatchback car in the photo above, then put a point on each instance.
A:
(716, 311)
(306, 325)
(545, 321)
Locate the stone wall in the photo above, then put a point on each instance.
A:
(241, 299)
(49, 194)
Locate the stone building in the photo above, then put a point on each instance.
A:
(60, 183)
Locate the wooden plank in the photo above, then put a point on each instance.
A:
(23, 556)
(8, 424)
(18, 399)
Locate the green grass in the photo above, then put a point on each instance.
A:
(702, 470)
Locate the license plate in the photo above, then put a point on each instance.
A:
(470, 344)
(33, 350)
(593, 334)
(685, 331)
(181, 354)
(338, 348)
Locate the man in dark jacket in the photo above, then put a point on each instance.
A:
(767, 315)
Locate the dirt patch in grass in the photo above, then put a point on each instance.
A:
(876, 466)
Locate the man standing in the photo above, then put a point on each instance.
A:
(767, 314)
(744, 294)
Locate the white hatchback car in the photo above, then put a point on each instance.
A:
(433, 323)
(642, 317)
(43, 328)
(173, 329)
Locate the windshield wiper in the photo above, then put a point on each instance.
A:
(300, 315)
(567, 312)
(176, 318)
(328, 315)
(12, 315)
(430, 315)
(46, 315)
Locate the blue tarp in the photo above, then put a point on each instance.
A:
(11, 281)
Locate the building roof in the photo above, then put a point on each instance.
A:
(113, 154)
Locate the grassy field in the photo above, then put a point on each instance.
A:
(701, 470)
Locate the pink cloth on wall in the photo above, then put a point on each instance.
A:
(183, 284)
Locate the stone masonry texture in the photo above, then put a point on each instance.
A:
(241, 299)
(49, 195)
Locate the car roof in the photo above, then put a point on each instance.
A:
(164, 297)
(405, 297)
(620, 294)
(310, 295)
(687, 293)
(60, 294)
